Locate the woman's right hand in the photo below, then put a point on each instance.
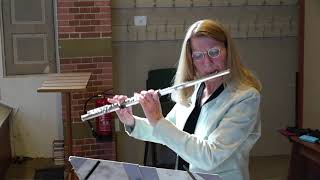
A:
(125, 115)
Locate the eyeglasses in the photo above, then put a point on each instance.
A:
(212, 53)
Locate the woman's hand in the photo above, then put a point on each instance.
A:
(151, 106)
(125, 115)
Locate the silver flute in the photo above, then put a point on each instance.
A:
(134, 100)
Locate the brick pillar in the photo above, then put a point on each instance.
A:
(84, 30)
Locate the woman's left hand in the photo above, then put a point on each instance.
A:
(151, 106)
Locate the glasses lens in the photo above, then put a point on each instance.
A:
(197, 55)
(214, 52)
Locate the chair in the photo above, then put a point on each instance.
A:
(159, 79)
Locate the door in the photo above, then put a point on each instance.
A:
(28, 29)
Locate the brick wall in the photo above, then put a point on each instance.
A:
(80, 20)
(84, 19)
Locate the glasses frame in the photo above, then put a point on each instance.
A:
(206, 52)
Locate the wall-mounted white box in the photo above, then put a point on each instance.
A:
(140, 20)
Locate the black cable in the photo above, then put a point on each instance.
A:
(94, 133)
(108, 94)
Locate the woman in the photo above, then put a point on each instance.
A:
(213, 126)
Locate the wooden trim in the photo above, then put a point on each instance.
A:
(5, 153)
(68, 130)
(65, 82)
(85, 47)
(305, 160)
(299, 106)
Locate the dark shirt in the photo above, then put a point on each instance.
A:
(191, 123)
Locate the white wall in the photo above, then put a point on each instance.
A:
(133, 61)
(311, 113)
(273, 59)
(37, 118)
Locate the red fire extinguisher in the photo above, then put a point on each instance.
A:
(103, 130)
(103, 122)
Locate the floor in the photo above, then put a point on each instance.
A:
(269, 167)
(261, 168)
(24, 168)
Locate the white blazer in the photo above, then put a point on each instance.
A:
(227, 128)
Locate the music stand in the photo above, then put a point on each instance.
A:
(88, 168)
(66, 83)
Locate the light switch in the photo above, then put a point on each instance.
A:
(140, 20)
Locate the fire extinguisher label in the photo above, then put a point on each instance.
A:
(103, 122)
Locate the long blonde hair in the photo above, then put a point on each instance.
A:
(186, 71)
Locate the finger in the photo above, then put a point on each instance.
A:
(136, 95)
(111, 100)
(152, 95)
(142, 99)
(156, 95)
(143, 93)
(149, 94)
(143, 96)
(117, 99)
(114, 99)
(122, 98)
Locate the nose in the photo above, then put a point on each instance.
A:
(207, 58)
